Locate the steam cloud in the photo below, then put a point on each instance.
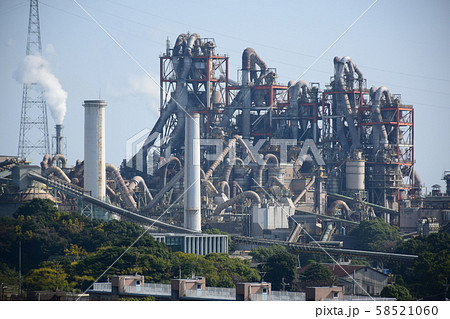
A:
(35, 69)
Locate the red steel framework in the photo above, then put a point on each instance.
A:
(209, 73)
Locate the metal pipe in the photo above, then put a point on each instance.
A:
(59, 157)
(223, 185)
(244, 145)
(338, 204)
(139, 181)
(379, 129)
(210, 186)
(261, 168)
(276, 180)
(219, 159)
(126, 196)
(171, 159)
(58, 172)
(242, 196)
(303, 192)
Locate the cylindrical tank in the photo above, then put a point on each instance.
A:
(192, 196)
(94, 148)
(355, 174)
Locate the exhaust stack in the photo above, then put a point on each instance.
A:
(192, 195)
(94, 148)
(59, 139)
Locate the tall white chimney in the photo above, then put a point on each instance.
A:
(192, 195)
(59, 139)
(94, 148)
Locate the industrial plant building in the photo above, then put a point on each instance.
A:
(292, 162)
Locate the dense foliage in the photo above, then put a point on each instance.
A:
(315, 275)
(67, 251)
(401, 293)
(425, 278)
(278, 265)
(376, 235)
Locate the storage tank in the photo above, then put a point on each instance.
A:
(355, 175)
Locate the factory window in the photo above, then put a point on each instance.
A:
(264, 291)
(199, 286)
(335, 294)
(138, 283)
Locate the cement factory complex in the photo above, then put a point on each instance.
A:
(263, 161)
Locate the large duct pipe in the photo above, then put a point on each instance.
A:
(295, 91)
(139, 181)
(58, 172)
(94, 148)
(166, 167)
(303, 192)
(192, 184)
(346, 68)
(275, 180)
(126, 196)
(247, 194)
(59, 158)
(249, 61)
(379, 129)
(261, 168)
(220, 158)
(338, 204)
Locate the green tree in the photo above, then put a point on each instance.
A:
(426, 276)
(47, 279)
(220, 270)
(316, 274)
(398, 292)
(280, 267)
(262, 254)
(376, 235)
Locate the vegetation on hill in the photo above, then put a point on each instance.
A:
(376, 235)
(67, 251)
(426, 277)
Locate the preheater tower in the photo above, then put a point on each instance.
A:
(94, 148)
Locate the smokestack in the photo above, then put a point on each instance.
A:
(94, 148)
(59, 139)
(192, 199)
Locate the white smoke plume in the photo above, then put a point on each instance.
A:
(35, 69)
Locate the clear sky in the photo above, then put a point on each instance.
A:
(401, 44)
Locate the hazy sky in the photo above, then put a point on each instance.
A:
(401, 44)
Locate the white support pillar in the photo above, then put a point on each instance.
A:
(192, 196)
(94, 148)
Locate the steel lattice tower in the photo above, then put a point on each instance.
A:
(34, 135)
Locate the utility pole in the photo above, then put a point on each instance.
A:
(284, 284)
(446, 285)
(20, 268)
(33, 136)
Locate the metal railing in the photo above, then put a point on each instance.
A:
(102, 286)
(150, 289)
(279, 296)
(213, 293)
